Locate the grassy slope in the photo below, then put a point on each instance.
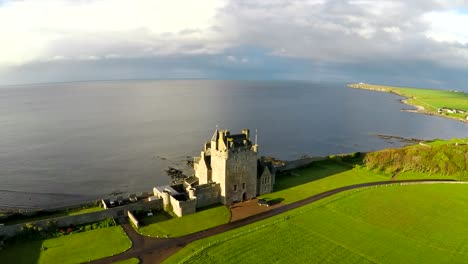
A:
(320, 177)
(430, 99)
(391, 224)
(75, 248)
(440, 159)
(187, 224)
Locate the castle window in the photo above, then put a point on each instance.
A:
(243, 185)
(235, 187)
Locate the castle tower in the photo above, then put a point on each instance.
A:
(234, 166)
(231, 161)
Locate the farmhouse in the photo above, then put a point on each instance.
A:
(450, 111)
(227, 171)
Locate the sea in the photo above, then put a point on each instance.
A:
(65, 143)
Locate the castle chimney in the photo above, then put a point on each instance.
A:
(246, 132)
(192, 194)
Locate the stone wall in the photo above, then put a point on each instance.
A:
(294, 164)
(11, 230)
(207, 194)
(181, 208)
(133, 219)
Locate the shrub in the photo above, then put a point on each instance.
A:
(445, 159)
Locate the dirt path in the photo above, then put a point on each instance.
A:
(156, 250)
(249, 208)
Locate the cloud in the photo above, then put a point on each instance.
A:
(347, 31)
(329, 37)
(40, 30)
(447, 26)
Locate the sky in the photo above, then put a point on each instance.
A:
(421, 43)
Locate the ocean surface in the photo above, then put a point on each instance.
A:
(65, 143)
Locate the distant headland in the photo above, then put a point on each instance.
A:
(444, 103)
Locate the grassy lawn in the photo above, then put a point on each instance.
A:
(160, 224)
(440, 142)
(414, 175)
(128, 261)
(43, 216)
(85, 210)
(74, 248)
(320, 177)
(387, 224)
(430, 99)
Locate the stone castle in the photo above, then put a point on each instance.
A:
(227, 171)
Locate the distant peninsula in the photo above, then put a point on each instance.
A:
(449, 104)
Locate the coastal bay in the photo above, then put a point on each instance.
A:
(65, 143)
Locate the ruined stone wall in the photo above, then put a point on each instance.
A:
(181, 208)
(207, 194)
(11, 230)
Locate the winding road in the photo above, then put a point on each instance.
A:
(156, 250)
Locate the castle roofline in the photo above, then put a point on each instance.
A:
(215, 135)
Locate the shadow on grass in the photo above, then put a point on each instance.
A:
(209, 207)
(315, 171)
(159, 216)
(20, 252)
(275, 201)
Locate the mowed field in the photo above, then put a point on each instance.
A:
(424, 223)
(435, 98)
(319, 177)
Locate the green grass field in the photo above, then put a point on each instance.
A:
(453, 141)
(386, 224)
(128, 261)
(74, 248)
(430, 99)
(160, 225)
(320, 177)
